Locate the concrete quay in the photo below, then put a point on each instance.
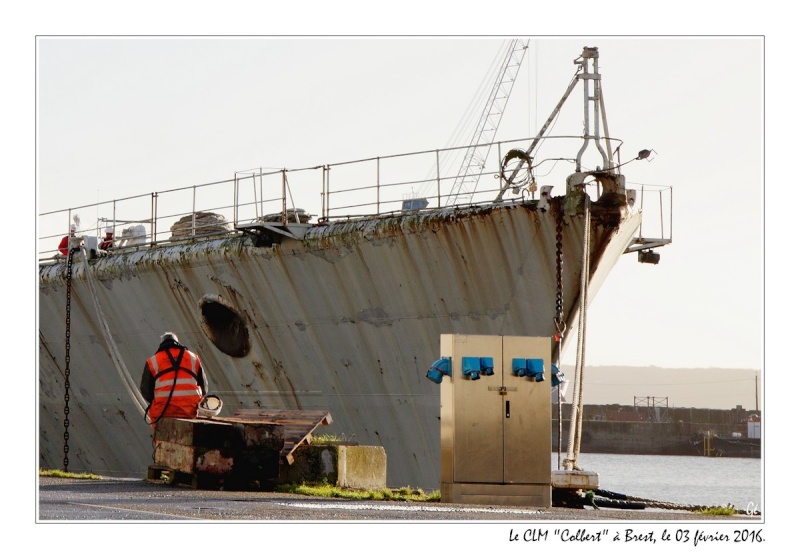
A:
(61, 500)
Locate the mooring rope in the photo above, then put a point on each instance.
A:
(576, 419)
(683, 506)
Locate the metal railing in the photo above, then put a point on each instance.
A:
(654, 231)
(348, 190)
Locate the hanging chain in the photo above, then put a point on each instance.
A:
(559, 318)
(66, 361)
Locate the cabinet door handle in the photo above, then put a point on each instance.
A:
(508, 408)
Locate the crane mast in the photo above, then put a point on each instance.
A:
(466, 182)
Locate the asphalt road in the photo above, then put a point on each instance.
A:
(131, 500)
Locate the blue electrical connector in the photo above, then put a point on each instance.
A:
(518, 367)
(439, 369)
(471, 367)
(535, 369)
(556, 376)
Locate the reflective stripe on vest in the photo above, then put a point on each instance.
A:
(183, 387)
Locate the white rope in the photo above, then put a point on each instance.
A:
(580, 359)
(113, 351)
(576, 417)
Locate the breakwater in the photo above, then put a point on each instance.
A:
(618, 429)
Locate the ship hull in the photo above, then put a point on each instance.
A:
(346, 320)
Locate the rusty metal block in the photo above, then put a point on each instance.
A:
(257, 464)
(237, 453)
(263, 436)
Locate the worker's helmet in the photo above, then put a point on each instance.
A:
(209, 406)
(169, 336)
(109, 229)
(73, 227)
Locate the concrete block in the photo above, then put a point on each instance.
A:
(350, 466)
(575, 479)
(362, 467)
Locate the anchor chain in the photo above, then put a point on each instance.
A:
(559, 318)
(66, 360)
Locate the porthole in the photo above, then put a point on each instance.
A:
(224, 326)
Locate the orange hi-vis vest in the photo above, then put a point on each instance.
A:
(175, 371)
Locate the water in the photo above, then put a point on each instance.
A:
(693, 480)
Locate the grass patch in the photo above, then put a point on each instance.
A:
(332, 491)
(718, 511)
(328, 438)
(70, 475)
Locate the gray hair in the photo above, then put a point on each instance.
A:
(167, 335)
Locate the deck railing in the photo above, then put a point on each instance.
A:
(348, 190)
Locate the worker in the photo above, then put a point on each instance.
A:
(63, 246)
(173, 382)
(108, 242)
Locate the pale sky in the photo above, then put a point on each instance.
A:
(118, 117)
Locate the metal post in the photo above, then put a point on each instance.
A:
(283, 213)
(756, 379)
(378, 185)
(255, 195)
(438, 182)
(641, 207)
(500, 166)
(153, 217)
(328, 193)
(322, 196)
(235, 200)
(194, 206)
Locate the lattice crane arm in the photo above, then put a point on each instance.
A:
(466, 182)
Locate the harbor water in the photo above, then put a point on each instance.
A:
(691, 480)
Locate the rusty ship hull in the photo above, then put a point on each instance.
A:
(347, 320)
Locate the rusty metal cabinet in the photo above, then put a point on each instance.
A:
(495, 420)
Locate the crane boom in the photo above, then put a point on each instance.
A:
(466, 182)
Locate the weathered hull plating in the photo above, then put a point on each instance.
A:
(347, 320)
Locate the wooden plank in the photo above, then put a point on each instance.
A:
(298, 424)
(288, 416)
(266, 412)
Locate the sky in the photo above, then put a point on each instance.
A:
(119, 117)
